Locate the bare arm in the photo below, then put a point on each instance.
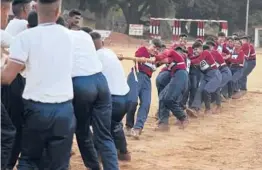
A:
(10, 71)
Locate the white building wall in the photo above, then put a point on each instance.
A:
(258, 37)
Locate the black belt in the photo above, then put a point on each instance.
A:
(251, 59)
(221, 67)
(207, 70)
(236, 66)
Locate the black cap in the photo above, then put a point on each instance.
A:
(244, 37)
(235, 34)
(206, 47)
(15, 2)
(47, 1)
(181, 49)
(32, 19)
(182, 35)
(230, 38)
(221, 34)
(212, 43)
(87, 29)
(157, 43)
(60, 20)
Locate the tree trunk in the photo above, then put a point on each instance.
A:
(100, 20)
(131, 14)
(101, 17)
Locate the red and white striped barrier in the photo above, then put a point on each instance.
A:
(155, 26)
(200, 30)
(155, 29)
(176, 29)
(224, 27)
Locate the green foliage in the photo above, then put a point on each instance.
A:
(232, 10)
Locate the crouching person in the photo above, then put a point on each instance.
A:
(211, 81)
(170, 98)
(117, 82)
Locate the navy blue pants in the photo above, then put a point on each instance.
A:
(7, 137)
(171, 97)
(209, 84)
(194, 78)
(162, 80)
(248, 68)
(141, 89)
(120, 107)
(233, 85)
(93, 106)
(226, 77)
(11, 96)
(47, 126)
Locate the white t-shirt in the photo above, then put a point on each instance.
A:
(47, 52)
(114, 72)
(85, 61)
(6, 39)
(15, 26)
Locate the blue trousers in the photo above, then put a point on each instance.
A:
(120, 107)
(194, 79)
(209, 84)
(171, 97)
(233, 85)
(162, 80)
(93, 106)
(7, 137)
(248, 68)
(49, 126)
(11, 97)
(141, 90)
(226, 76)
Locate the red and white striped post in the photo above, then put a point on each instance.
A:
(200, 30)
(224, 27)
(176, 29)
(154, 28)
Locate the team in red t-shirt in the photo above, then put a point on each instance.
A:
(212, 71)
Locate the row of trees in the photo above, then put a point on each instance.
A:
(232, 10)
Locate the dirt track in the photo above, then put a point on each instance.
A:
(229, 141)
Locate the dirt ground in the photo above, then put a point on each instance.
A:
(229, 141)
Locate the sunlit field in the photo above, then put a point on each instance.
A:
(228, 141)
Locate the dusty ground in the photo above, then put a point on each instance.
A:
(229, 141)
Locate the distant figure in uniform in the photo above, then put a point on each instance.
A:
(8, 130)
(49, 116)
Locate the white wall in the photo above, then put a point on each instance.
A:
(257, 37)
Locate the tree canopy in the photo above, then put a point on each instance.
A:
(233, 11)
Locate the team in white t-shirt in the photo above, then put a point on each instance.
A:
(85, 62)
(113, 71)
(52, 55)
(15, 26)
(48, 72)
